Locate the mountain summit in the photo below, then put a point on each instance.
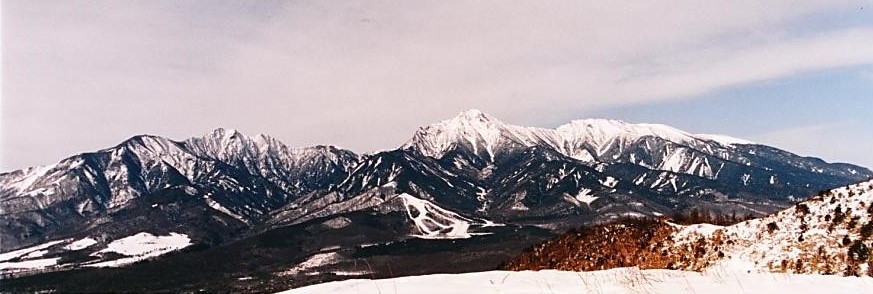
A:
(477, 132)
(585, 139)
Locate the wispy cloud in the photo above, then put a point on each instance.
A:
(365, 74)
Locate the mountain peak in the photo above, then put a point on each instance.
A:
(224, 134)
(474, 114)
(472, 118)
(483, 134)
(146, 143)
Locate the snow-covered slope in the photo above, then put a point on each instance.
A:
(139, 247)
(828, 234)
(434, 222)
(621, 280)
(587, 140)
(69, 253)
(296, 170)
(238, 176)
(653, 146)
(482, 134)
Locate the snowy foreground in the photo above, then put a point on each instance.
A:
(622, 280)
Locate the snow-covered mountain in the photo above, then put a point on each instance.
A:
(234, 175)
(653, 146)
(474, 181)
(479, 166)
(473, 164)
(587, 140)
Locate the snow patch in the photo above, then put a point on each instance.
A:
(337, 222)
(80, 244)
(143, 243)
(31, 175)
(609, 182)
(24, 251)
(351, 273)
(35, 254)
(314, 261)
(222, 209)
(724, 140)
(586, 196)
(29, 264)
(140, 247)
(434, 222)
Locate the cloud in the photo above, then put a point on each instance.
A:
(840, 142)
(365, 74)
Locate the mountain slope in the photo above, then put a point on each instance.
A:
(752, 168)
(828, 234)
(235, 175)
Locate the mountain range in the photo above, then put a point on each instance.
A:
(304, 215)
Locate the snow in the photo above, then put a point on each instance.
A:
(609, 182)
(691, 232)
(621, 280)
(724, 140)
(215, 205)
(143, 243)
(745, 178)
(477, 130)
(587, 140)
(24, 251)
(792, 240)
(434, 222)
(81, 244)
(35, 254)
(483, 201)
(337, 222)
(601, 133)
(674, 162)
(30, 264)
(351, 273)
(140, 247)
(586, 196)
(31, 175)
(314, 261)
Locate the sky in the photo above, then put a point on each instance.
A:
(80, 76)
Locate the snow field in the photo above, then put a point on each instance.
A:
(621, 280)
(140, 247)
